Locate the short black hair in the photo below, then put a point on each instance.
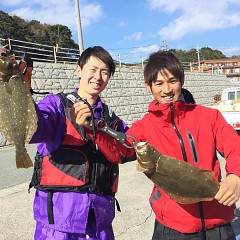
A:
(100, 53)
(161, 61)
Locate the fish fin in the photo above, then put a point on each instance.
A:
(23, 160)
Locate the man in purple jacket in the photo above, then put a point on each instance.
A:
(76, 166)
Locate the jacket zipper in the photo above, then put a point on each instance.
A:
(177, 132)
(200, 205)
(193, 147)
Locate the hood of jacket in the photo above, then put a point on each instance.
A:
(165, 115)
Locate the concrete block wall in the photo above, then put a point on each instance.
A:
(204, 86)
(126, 93)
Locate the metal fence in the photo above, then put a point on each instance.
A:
(56, 54)
(40, 52)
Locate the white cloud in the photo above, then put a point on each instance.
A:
(230, 51)
(91, 12)
(56, 11)
(146, 50)
(11, 3)
(196, 16)
(122, 24)
(135, 36)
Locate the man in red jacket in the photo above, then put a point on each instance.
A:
(191, 133)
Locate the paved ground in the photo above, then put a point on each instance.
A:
(135, 221)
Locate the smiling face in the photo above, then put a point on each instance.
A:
(166, 88)
(94, 77)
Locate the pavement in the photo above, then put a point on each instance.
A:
(135, 221)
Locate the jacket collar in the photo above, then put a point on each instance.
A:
(163, 111)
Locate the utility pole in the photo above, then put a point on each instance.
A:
(199, 66)
(79, 28)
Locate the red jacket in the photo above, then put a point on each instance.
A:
(205, 130)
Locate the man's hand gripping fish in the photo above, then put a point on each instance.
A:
(18, 118)
(183, 182)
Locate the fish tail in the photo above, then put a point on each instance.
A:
(23, 160)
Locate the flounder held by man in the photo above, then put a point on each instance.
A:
(183, 182)
(18, 118)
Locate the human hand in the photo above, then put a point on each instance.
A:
(229, 191)
(80, 113)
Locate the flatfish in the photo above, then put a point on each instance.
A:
(183, 182)
(18, 118)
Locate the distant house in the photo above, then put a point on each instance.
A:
(229, 67)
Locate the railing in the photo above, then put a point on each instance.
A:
(55, 54)
(40, 52)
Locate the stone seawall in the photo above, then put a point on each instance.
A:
(126, 93)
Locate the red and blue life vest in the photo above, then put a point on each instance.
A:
(75, 166)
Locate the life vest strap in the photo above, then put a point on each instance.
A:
(117, 205)
(50, 207)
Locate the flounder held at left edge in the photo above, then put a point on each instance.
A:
(18, 118)
(183, 182)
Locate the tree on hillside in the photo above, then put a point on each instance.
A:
(192, 55)
(186, 55)
(236, 56)
(36, 32)
(209, 54)
(14, 26)
(62, 36)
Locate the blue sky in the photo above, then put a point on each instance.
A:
(134, 28)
